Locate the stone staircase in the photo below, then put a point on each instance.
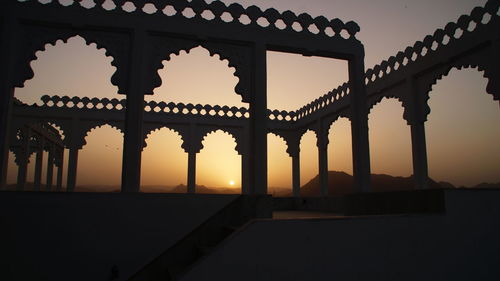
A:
(178, 259)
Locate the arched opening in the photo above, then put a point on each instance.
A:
(100, 161)
(279, 167)
(218, 165)
(60, 70)
(309, 179)
(340, 157)
(462, 131)
(198, 78)
(390, 140)
(164, 163)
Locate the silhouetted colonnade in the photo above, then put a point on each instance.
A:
(138, 44)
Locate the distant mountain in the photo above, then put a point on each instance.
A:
(341, 183)
(487, 185)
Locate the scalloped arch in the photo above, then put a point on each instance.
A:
(443, 73)
(372, 102)
(335, 119)
(98, 125)
(304, 131)
(150, 131)
(35, 38)
(237, 56)
(232, 133)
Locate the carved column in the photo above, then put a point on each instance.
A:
(74, 142)
(72, 168)
(23, 158)
(60, 165)
(322, 144)
(359, 125)
(38, 164)
(50, 168)
(8, 31)
(132, 142)
(245, 165)
(416, 118)
(258, 122)
(293, 149)
(191, 183)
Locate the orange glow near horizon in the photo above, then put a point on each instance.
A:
(462, 129)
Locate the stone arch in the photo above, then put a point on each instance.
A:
(149, 129)
(340, 144)
(100, 159)
(164, 160)
(162, 48)
(234, 133)
(85, 128)
(373, 100)
(390, 139)
(34, 38)
(309, 165)
(478, 61)
(279, 163)
(217, 163)
(466, 132)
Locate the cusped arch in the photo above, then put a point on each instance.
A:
(474, 62)
(162, 48)
(330, 120)
(148, 130)
(86, 129)
(34, 38)
(234, 133)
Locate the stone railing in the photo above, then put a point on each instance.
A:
(197, 110)
(161, 107)
(217, 11)
(323, 101)
(82, 103)
(431, 43)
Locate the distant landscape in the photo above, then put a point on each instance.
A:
(339, 183)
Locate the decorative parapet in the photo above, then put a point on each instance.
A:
(197, 110)
(324, 101)
(432, 43)
(217, 11)
(441, 38)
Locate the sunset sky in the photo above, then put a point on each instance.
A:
(463, 128)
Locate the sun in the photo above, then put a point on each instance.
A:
(231, 183)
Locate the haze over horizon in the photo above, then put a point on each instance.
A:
(462, 129)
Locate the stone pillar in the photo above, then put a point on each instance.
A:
(243, 149)
(359, 125)
(23, 158)
(133, 140)
(60, 169)
(293, 149)
(38, 165)
(8, 32)
(245, 180)
(296, 174)
(322, 144)
(50, 169)
(191, 182)
(72, 168)
(258, 122)
(416, 119)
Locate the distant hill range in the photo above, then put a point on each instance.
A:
(339, 183)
